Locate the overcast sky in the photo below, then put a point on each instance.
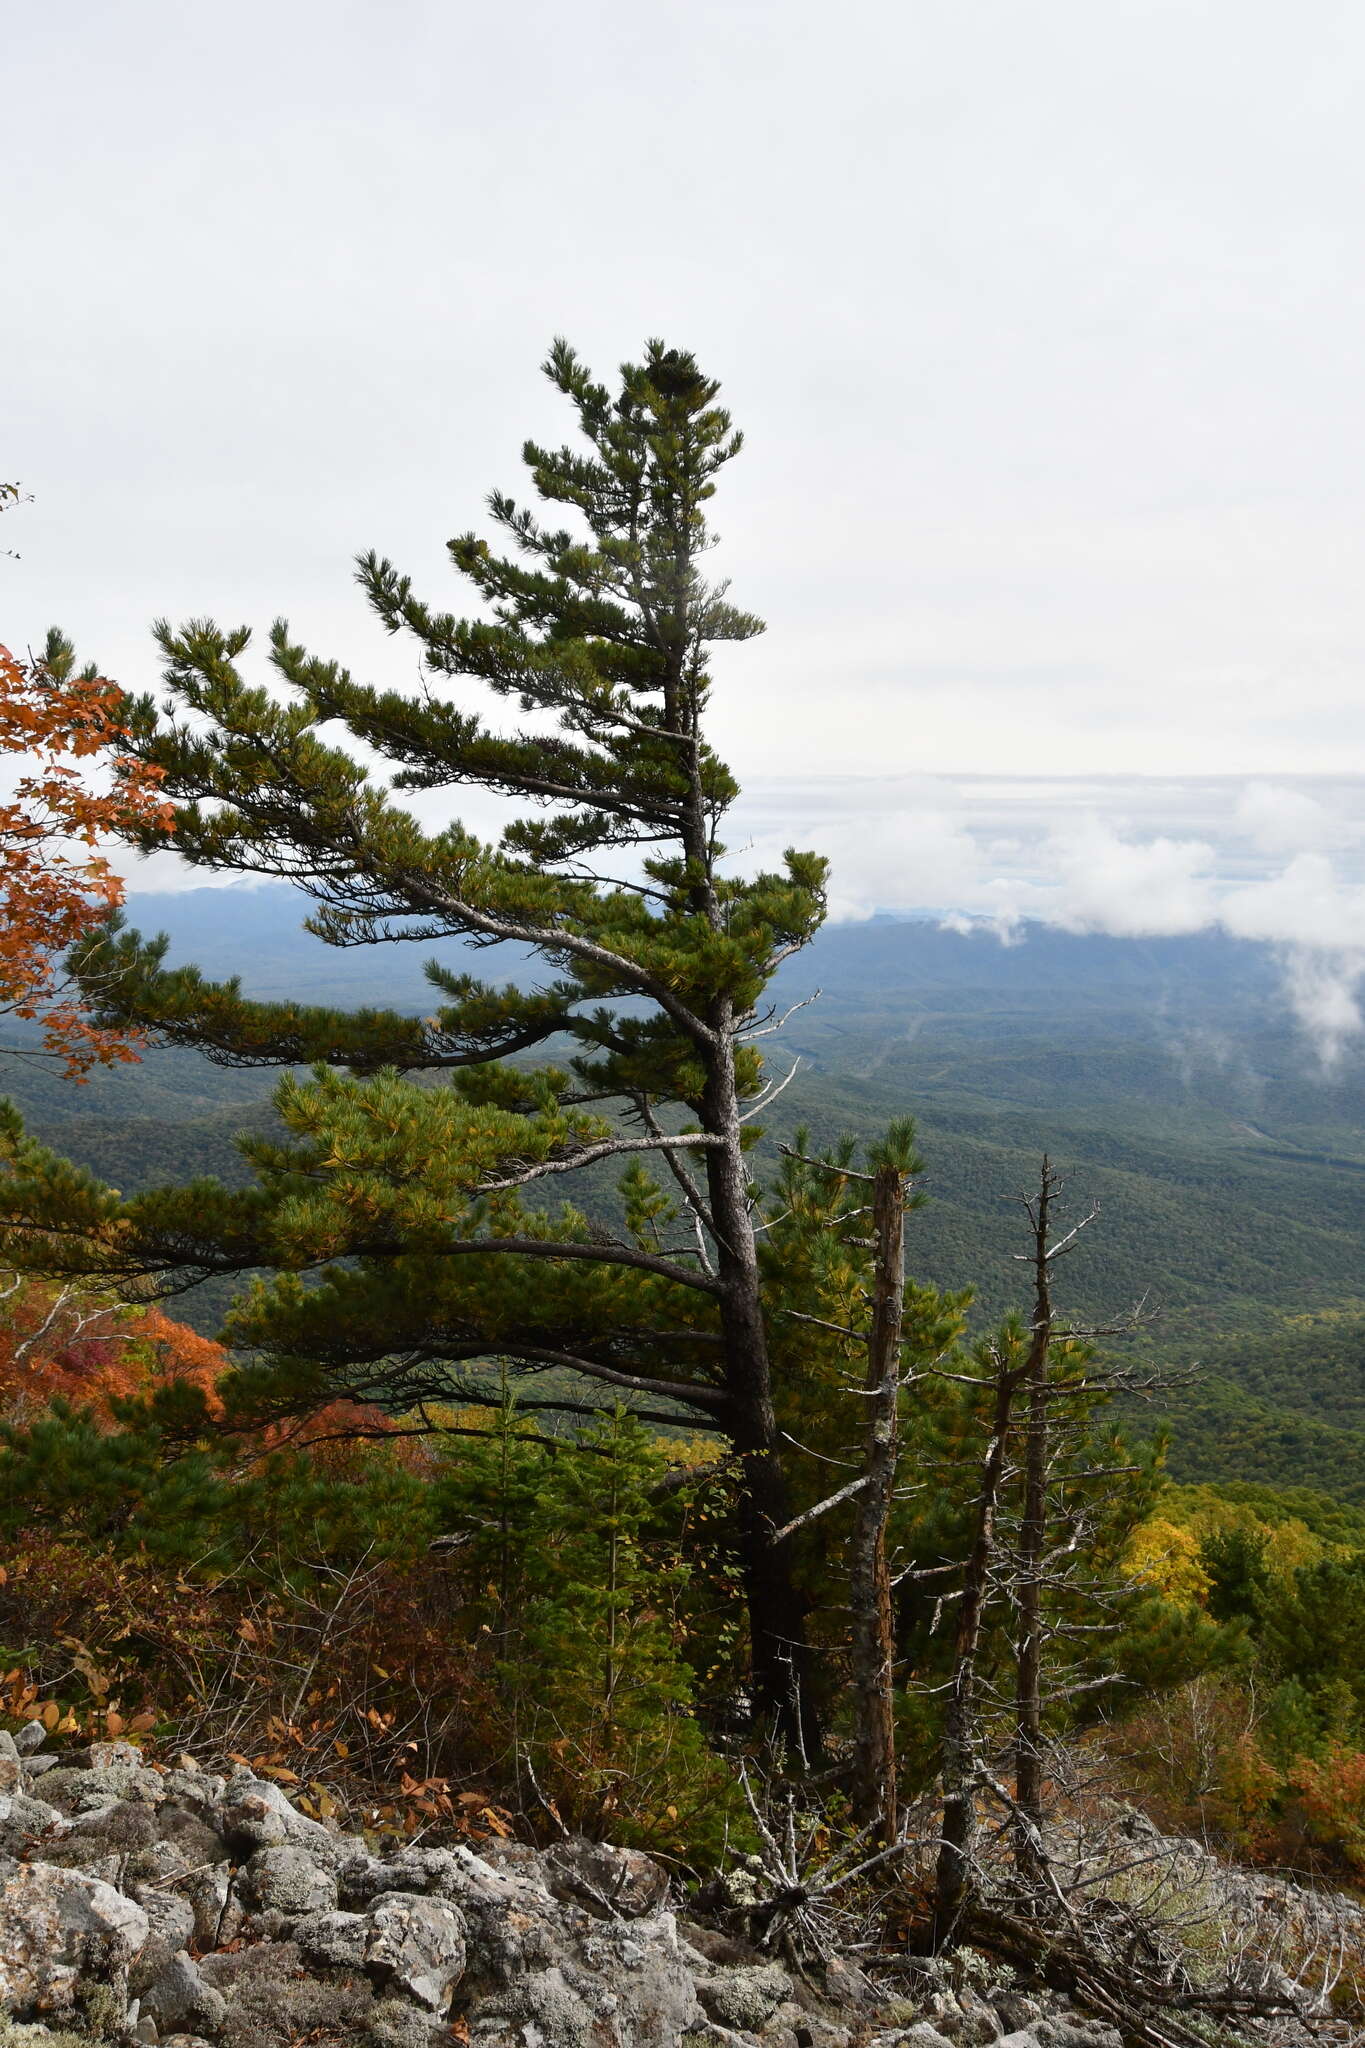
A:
(1045, 322)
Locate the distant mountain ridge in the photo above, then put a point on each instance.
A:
(257, 933)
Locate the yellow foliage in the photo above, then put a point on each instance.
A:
(1166, 1558)
(1290, 1545)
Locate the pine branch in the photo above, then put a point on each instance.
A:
(610, 1148)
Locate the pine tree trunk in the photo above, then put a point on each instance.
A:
(874, 1741)
(777, 1610)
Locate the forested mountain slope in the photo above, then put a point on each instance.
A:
(1165, 1076)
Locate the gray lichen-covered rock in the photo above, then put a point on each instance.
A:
(363, 1877)
(171, 1921)
(543, 1970)
(275, 2000)
(26, 1822)
(201, 1792)
(288, 1879)
(76, 1790)
(256, 1814)
(1063, 2033)
(404, 1940)
(181, 2002)
(56, 1927)
(234, 1921)
(275, 1996)
(208, 1893)
(417, 1945)
(745, 1998)
(11, 1764)
(336, 1940)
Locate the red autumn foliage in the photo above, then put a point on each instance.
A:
(339, 1436)
(1329, 1792)
(54, 884)
(65, 1341)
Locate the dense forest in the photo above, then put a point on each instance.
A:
(1227, 1165)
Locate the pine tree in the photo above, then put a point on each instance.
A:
(406, 1198)
(606, 1692)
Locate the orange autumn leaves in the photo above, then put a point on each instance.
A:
(65, 1342)
(54, 883)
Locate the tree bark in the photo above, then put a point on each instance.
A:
(874, 1742)
(777, 1610)
(953, 1878)
(1027, 1819)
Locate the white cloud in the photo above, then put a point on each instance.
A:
(1321, 988)
(1134, 888)
(1280, 820)
(1306, 904)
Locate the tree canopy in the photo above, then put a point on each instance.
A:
(654, 955)
(56, 885)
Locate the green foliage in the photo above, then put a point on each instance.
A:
(1312, 1628)
(402, 1200)
(168, 1485)
(1268, 1747)
(570, 1578)
(1234, 1559)
(603, 1688)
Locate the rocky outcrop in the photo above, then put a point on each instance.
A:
(178, 1908)
(139, 1904)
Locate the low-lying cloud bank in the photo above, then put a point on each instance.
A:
(1278, 863)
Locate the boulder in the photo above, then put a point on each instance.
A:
(118, 1830)
(57, 1926)
(416, 1946)
(108, 1756)
(336, 1940)
(289, 1880)
(605, 1880)
(403, 1941)
(745, 1998)
(256, 1814)
(208, 1893)
(77, 1789)
(201, 1792)
(363, 1877)
(814, 2032)
(11, 1764)
(170, 1919)
(181, 2002)
(25, 1822)
(1063, 2033)
(544, 1970)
